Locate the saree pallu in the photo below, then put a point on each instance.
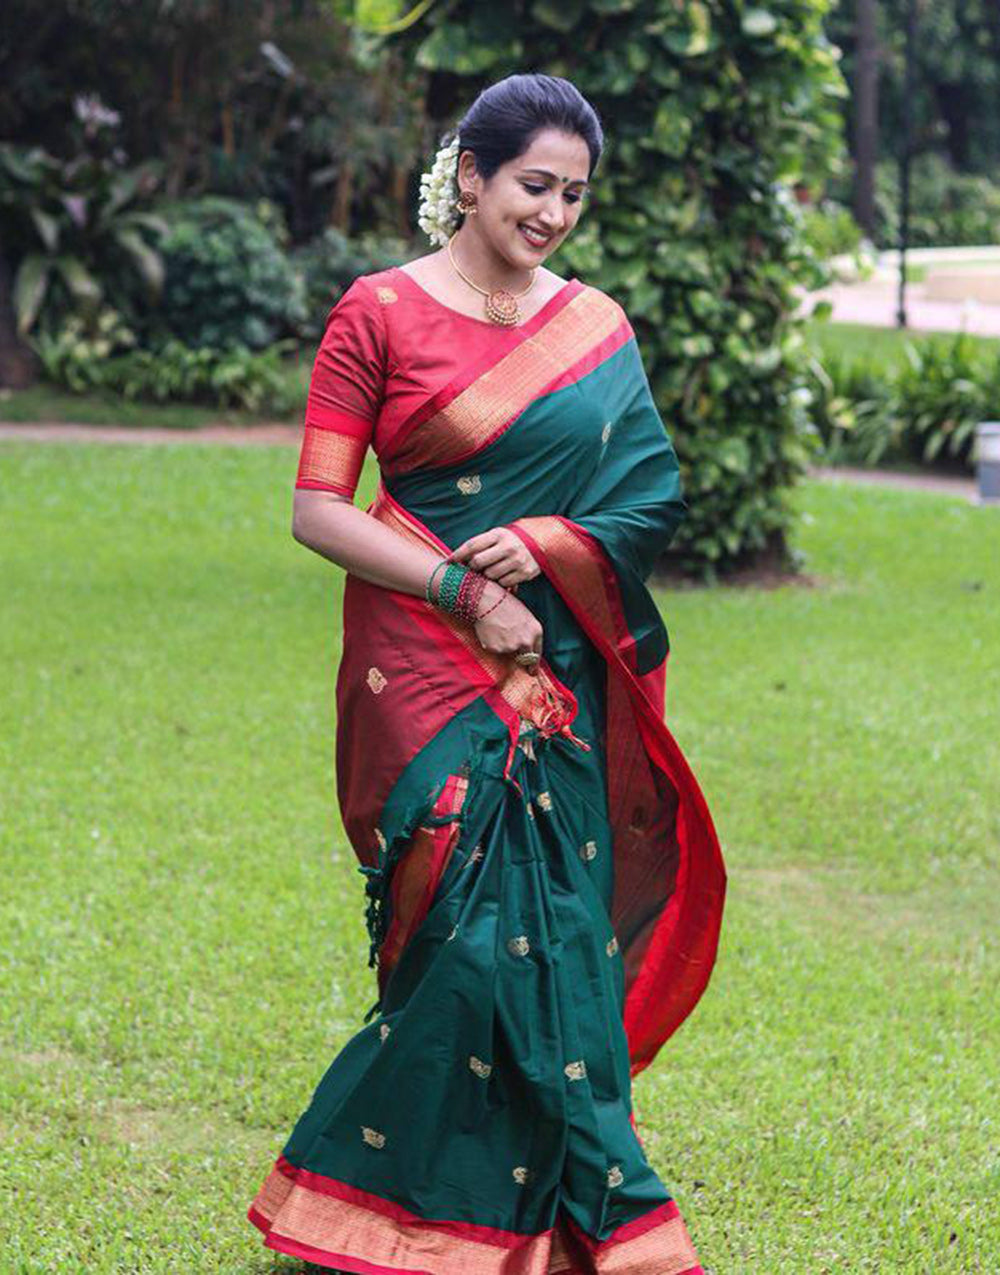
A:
(544, 885)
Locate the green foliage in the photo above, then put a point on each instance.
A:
(923, 406)
(713, 110)
(831, 231)
(946, 207)
(853, 409)
(329, 264)
(229, 280)
(79, 234)
(945, 388)
(954, 98)
(107, 359)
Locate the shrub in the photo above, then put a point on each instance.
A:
(330, 263)
(943, 391)
(946, 207)
(78, 235)
(853, 407)
(714, 111)
(107, 360)
(229, 281)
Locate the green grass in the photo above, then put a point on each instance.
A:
(183, 938)
(44, 402)
(858, 343)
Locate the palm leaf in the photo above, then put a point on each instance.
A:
(29, 290)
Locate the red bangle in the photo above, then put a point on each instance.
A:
(502, 598)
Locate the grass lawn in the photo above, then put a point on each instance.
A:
(183, 939)
(883, 347)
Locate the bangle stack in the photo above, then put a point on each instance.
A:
(460, 591)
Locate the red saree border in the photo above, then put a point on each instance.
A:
(514, 694)
(480, 404)
(308, 1215)
(418, 874)
(686, 935)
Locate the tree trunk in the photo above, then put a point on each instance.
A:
(866, 116)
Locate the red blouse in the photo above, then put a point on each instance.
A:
(388, 347)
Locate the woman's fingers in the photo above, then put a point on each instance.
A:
(473, 545)
(488, 557)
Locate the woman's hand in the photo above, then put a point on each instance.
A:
(499, 554)
(509, 627)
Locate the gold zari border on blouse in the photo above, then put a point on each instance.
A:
(329, 457)
(481, 410)
(340, 1227)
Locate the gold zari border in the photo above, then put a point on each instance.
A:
(329, 457)
(481, 410)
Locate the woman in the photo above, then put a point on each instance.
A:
(544, 883)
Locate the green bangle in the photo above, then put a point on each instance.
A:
(430, 579)
(451, 583)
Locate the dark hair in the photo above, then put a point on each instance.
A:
(504, 119)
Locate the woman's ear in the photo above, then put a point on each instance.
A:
(468, 175)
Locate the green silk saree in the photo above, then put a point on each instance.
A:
(544, 886)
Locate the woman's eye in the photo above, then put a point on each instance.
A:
(540, 190)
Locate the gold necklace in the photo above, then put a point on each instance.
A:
(501, 304)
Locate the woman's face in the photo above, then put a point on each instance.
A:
(531, 203)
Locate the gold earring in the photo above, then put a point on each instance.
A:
(467, 202)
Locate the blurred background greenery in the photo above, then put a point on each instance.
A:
(187, 186)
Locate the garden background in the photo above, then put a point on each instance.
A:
(185, 190)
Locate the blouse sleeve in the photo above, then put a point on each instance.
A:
(345, 393)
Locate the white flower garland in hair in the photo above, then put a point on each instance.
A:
(437, 216)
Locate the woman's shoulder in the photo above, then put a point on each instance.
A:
(604, 303)
(375, 286)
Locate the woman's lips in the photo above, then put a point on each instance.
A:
(535, 243)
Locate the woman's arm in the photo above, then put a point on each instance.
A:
(334, 527)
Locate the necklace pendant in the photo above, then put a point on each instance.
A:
(502, 307)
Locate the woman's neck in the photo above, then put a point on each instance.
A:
(484, 265)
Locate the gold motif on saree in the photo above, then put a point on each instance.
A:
(454, 931)
(527, 747)
(615, 1176)
(588, 851)
(531, 810)
(469, 484)
(384, 1030)
(482, 1069)
(523, 1175)
(544, 801)
(612, 946)
(518, 946)
(372, 1136)
(383, 845)
(377, 681)
(576, 1070)
(386, 295)
(606, 432)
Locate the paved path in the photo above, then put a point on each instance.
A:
(874, 304)
(942, 483)
(290, 435)
(261, 435)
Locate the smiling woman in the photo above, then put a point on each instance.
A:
(544, 882)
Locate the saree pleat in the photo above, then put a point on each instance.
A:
(543, 882)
